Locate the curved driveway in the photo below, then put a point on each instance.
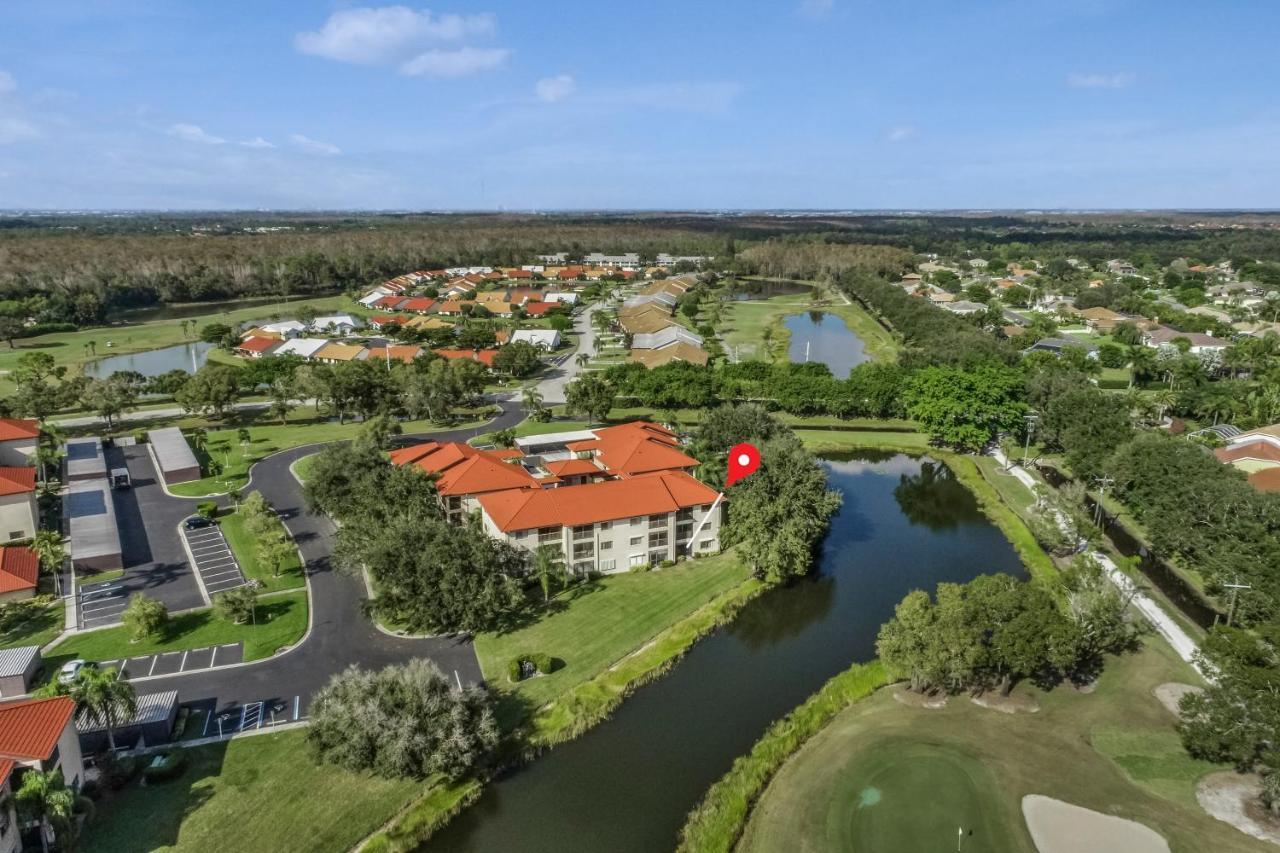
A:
(340, 634)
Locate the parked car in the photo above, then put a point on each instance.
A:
(195, 522)
(72, 668)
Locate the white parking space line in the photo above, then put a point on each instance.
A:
(213, 657)
(183, 665)
(154, 659)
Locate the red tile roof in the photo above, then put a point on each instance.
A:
(464, 470)
(385, 320)
(569, 273)
(406, 353)
(390, 302)
(537, 309)
(484, 356)
(639, 447)
(30, 728)
(591, 503)
(15, 481)
(574, 468)
(12, 429)
(417, 303)
(6, 767)
(520, 274)
(1256, 449)
(1266, 480)
(258, 345)
(19, 568)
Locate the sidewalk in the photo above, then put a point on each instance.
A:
(1167, 627)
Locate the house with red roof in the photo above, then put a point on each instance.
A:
(17, 503)
(539, 309)
(382, 321)
(18, 439)
(484, 356)
(417, 304)
(38, 734)
(463, 473)
(403, 353)
(633, 449)
(256, 347)
(389, 303)
(19, 573)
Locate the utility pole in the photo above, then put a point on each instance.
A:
(1031, 418)
(1104, 482)
(1235, 592)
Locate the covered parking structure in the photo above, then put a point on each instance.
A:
(174, 457)
(151, 724)
(85, 459)
(91, 522)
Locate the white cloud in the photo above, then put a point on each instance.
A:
(901, 132)
(256, 142)
(455, 63)
(552, 89)
(15, 129)
(1119, 80)
(7, 83)
(388, 35)
(816, 10)
(193, 133)
(314, 146)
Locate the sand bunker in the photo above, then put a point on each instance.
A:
(1058, 827)
(1014, 703)
(912, 699)
(1233, 798)
(1171, 692)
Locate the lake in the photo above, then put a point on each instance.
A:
(627, 785)
(185, 310)
(745, 290)
(189, 357)
(825, 338)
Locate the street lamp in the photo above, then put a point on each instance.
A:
(1031, 419)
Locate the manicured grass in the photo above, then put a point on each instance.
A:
(34, 624)
(265, 438)
(1114, 750)
(834, 441)
(281, 621)
(591, 626)
(244, 546)
(743, 324)
(303, 466)
(69, 348)
(254, 793)
(1009, 487)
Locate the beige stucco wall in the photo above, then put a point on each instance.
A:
(17, 452)
(17, 515)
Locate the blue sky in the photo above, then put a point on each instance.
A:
(658, 104)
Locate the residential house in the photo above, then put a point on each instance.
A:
(17, 503)
(301, 347)
(649, 320)
(383, 322)
(336, 324)
(569, 298)
(18, 440)
(40, 734)
(1256, 453)
(256, 347)
(1121, 267)
(1102, 320)
(406, 353)
(19, 573)
(938, 296)
(389, 303)
(417, 304)
(463, 474)
(964, 308)
(680, 351)
(1167, 336)
(1058, 345)
(538, 309)
(451, 308)
(421, 322)
(484, 356)
(333, 353)
(545, 339)
(669, 336)
(286, 329)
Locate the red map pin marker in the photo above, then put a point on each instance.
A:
(744, 459)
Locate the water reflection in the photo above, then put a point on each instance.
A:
(934, 498)
(822, 337)
(189, 357)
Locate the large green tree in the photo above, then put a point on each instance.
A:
(966, 408)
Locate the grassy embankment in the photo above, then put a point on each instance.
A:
(1114, 750)
(743, 323)
(281, 621)
(73, 349)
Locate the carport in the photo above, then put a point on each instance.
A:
(91, 517)
(174, 458)
(85, 459)
(18, 667)
(152, 724)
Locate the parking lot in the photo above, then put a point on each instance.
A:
(215, 565)
(245, 717)
(172, 663)
(101, 603)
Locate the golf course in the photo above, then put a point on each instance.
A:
(883, 775)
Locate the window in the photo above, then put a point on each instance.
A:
(606, 525)
(639, 559)
(583, 550)
(636, 540)
(15, 534)
(606, 546)
(608, 565)
(453, 503)
(684, 515)
(636, 520)
(658, 520)
(658, 539)
(684, 531)
(520, 534)
(582, 531)
(548, 535)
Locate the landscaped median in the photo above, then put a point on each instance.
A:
(245, 547)
(281, 621)
(719, 820)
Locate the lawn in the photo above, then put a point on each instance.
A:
(265, 438)
(254, 793)
(71, 349)
(594, 625)
(1012, 491)
(33, 624)
(246, 551)
(835, 441)
(744, 322)
(1114, 750)
(281, 621)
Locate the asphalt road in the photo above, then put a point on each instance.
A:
(341, 635)
(559, 376)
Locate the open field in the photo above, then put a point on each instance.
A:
(591, 626)
(72, 349)
(281, 621)
(254, 793)
(1114, 751)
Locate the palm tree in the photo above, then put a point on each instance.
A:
(582, 358)
(47, 546)
(1162, 400)
(547, 565)
(45, 797)
(110, 701)
(531, 401)
(1141, 361)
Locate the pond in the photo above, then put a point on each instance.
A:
(628, 784)
(184, 310)
(748, 289)
(189, 357)
(823, 337)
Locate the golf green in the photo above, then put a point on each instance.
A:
(885, 795)
(918, 797)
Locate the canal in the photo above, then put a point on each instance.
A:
(628, 784)
(823, 337)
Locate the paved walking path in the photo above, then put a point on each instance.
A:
(1164, 624)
